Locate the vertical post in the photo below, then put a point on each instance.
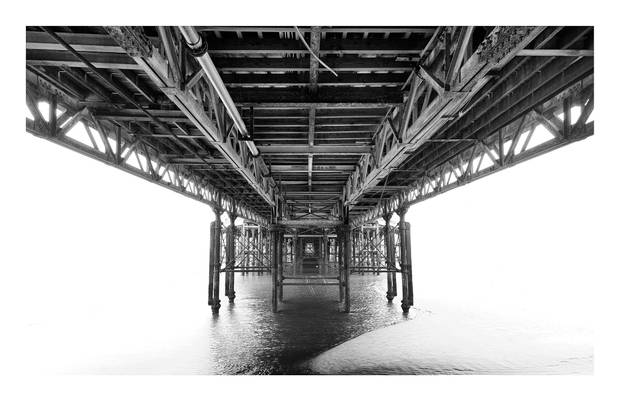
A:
(296, 261)
(405, 261)
(230, 258)
(363, 250)
(340, 263)
(210, 263)
(346, 270)
(264, 246)
(274, 258)
(251, 248)
(371, 233)
(216, 257)
(353, 260)
(325, 255)
(376, 240)
(392, 244)
(243, 248)
(388, 256)
(280, 271)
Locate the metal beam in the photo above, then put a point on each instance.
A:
(183, 181)
(501, 46)
(251, 168)
(467, 166)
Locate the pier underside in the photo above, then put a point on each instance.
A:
(310, 143)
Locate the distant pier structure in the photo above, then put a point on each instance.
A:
(317, 139)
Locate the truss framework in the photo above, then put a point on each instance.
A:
(508, 146)
(196, 98)
(401, 120)
(404, 129)
(121, 146)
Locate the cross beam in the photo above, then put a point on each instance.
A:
(394, 144)
(220, 132)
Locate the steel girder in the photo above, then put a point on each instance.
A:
(199, 102)
(121, 145)
(508, 145)
(405, 129)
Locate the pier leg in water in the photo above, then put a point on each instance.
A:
(216, 257)
(405, 261)
(230, 258)
(274, 265)
(364, 243)
(389, 256)
(347, 262)
(340, 263)
(211, 265)
(280, 269)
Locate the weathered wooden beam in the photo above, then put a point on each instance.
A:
(257, 46)
(310, 222)
(303, 79)
(321, 149)
(423, 30)
(58, 58)
(296, 105)
(324, 95)
(345, 64)
(555, 53)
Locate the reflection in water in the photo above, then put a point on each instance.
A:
(248, 338)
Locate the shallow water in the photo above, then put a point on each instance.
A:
(247, 338)
(448, 341)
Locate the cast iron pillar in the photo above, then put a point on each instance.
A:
(280, 270)
(325, 252)
(353, 249)
(363, 262)
(274, 231)
(230, 258)
(340, 262)
(389, 257)
(346, 260)
(405, 261)
(296, 260)
(215, 265)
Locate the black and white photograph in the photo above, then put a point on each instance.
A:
(293, 189)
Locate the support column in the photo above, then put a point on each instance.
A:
(211, 265)
(353, 262)
(375, 242)
(230, 258)
(243, 244)
(264, 245)
(405, 261)
(274, 231)
(340, 264)
(214, 271)
(325, 255)
(389, 256)
(252, 248)
(296, 261)
(283, 245)
(346, 256)
(363, 250)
